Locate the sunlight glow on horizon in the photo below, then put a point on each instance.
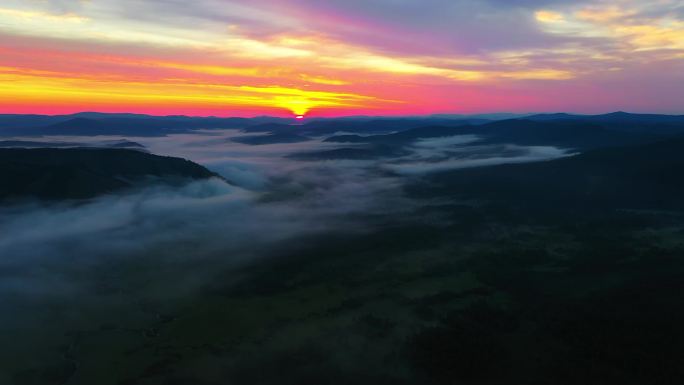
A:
(299, 57)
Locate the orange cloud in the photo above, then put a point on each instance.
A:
(23, 15)
(604, 15)
(549, 16)
(20, 86)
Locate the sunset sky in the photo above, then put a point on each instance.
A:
(341, 57)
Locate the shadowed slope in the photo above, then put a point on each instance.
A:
(647, 176)
(85, 173)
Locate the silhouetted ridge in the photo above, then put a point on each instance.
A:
(85, 173)
(642, 177)
(566, 134)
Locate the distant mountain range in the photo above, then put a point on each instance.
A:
(93, 123)
(64, 174)
(574, 134)
(59, 144)
(619, 116)
(90, 123)
(366, 127)
(570, 134)
(651, 123)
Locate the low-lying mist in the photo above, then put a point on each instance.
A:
(213, 224)
(397, 258)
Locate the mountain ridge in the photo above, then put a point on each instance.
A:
(72, 174)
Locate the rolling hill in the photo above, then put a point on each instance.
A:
(58, 174)
(638, 177)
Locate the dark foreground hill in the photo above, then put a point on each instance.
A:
(640, 177)
(56, 174)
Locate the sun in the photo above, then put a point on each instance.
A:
(298, 106)
(299, 117)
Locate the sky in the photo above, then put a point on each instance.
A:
(341, 57)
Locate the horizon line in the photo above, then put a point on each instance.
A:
(435, 115)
